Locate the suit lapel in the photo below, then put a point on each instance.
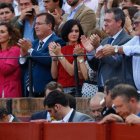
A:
(119, 38)
(46, 43)
(79, 11)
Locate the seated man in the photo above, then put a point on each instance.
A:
(5, 116)
(57, 104)
(95, 106)
(51, 86)
(109, 85)
(125, 99)
(44, 114)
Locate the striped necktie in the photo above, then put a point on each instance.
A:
(40, 45)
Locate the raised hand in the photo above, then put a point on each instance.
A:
(25, 45)
(107, 50)
(86, 44)
(95, 40)
(79, 51)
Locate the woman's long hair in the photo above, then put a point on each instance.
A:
(13, 32)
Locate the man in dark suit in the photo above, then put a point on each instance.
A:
(44, 114)
(51, 86)
(56, 103)
(41, 66)
(111, 66)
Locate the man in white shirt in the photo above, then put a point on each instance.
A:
(132, 47)
(57, 104)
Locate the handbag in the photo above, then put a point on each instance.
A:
(89, 87)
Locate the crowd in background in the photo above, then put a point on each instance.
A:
(104, 37)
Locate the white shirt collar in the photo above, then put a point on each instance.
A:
(11, 118)
(77, 7)
(116, 35)
(66, 118)
(45, 39)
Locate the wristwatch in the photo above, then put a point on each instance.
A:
(81, 60)
(116, 49)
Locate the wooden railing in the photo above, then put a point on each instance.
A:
(68, 131)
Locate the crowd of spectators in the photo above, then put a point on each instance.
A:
(57, 39)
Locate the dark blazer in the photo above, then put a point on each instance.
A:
(79, 117)
(16, 119)
(41, 67)
(111, 66)
(106, 111)
(39, 115)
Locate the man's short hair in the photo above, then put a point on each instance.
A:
(136, 16)
(53, 86)
(60, 2)
(124, 90)
(111, 83)
(49, 18)
(71, 100)
(118, 15)
(7, 5)
(3, 111)
(56, 97)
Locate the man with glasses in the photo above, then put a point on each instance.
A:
(132, 47)
(125, 99)
(41, 65)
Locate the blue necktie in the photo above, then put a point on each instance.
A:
(40, 45)
(110, 40)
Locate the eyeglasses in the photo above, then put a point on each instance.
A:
(136, 23)
(40, 23)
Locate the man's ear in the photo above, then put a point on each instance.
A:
(57, 106)
(50, 26)
(132, 100)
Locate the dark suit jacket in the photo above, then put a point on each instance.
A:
(16, 119)
(41, 67)
(79, 117)
(39, 115)
(111, 66)
(106, 111)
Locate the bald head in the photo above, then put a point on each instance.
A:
(95, 106)
(97, 98)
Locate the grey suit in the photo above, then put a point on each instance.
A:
(111, 66)
(79, 117)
